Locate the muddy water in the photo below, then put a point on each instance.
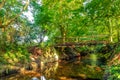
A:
(64, 70)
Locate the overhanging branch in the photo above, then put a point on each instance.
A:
(13, 19)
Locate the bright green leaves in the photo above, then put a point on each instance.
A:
(2, 13)
(106, 8)
(63, 14)
(69, 1)
(114, 72)
(100, 12)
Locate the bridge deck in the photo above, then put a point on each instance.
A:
(80, 41)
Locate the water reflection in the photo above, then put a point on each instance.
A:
(73, 70)
(42, 78)
(49, 69)
(64, 70)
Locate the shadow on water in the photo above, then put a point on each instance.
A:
(64, 70)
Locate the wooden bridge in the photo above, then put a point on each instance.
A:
(80, 41)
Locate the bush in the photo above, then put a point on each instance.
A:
(114, 72)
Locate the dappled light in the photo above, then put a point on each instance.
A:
(59, 40)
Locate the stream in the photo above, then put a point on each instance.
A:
(75, 69)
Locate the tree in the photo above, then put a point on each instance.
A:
(59, 18)
(9, 12)
(14, 25)
(105, 13)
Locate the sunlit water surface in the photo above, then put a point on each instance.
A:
(65, 70)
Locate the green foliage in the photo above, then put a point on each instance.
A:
(76, 18)
(15, 56)
(118, 48)
(66, 18)
(2, 12)
(114, 72)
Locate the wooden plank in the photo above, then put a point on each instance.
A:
(78, 39)
(82, 43)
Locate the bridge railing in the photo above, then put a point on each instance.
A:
(82, 39)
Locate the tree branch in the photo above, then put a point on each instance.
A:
(13, 19)
(2, 3)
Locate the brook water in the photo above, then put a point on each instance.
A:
(77, 69)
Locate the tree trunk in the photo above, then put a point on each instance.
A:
(117, 27)
(63, 33)
(110, 30)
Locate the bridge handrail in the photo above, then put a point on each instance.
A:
(82, 38)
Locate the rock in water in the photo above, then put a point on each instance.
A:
(35, 78)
